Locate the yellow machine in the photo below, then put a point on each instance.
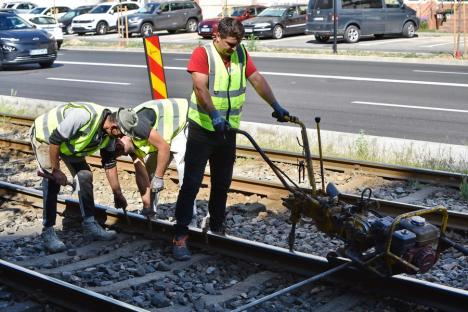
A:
(384, 245)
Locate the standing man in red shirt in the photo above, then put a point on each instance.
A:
(219, 73)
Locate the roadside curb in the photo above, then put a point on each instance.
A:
(336, 144)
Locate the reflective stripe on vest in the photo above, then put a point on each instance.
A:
(226, 87)
(171, 117)
(87, 139)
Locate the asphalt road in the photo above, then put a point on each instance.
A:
(413, 101)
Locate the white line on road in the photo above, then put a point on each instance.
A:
(434, 83)
(384, 42)
(438, 72)
(181, 59)
(100, 64)
(411, 106)
(91, 81)
(435, 45)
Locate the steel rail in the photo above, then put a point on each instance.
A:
(406, 288)
(331, 163)
(59, 292)
(274, 191)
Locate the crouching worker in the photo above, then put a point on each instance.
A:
(70, 132)
(155, 132)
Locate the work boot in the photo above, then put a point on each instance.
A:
(180, 250)
(219, 230)
(94, 231)
(51, 242)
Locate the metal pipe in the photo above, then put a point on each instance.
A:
(293, 287)
(317, 121)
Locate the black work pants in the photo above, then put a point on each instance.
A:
(78, 167)
(220, 151)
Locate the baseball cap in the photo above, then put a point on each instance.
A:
(127, 119)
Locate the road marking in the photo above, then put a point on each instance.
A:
(383, 42)
(411, 106)
(438, 72)
(91, 81)
(183, 59)
(435, 45)
(100, 64)
(434, 83)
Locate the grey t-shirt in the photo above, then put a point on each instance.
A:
(74, 119)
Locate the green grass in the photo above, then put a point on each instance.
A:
(464, 188)
(362, 148)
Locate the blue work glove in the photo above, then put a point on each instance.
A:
(279, 113)
(219, 123)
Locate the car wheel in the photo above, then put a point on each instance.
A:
(191, 25)
(69, 30)
(322, 38)
(278, 32)
(408, 30)
(101, 28)
(146, 30)
(352, 34)
(46, 64)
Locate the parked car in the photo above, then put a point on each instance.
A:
(50, 24)
(169, 15)
(66, 20)
(102, 18)
(207, 27)
(23, 44)
(20, 7)
(357, 18)
(57, 11)
(277, 21)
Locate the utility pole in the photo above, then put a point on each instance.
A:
(335, 25)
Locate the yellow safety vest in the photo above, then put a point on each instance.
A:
(85, 141)
(226, 87)
(171, 118)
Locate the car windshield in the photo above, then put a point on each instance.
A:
(43, 20)
(37, 10)
(100, 9)
(239, 11)
(275, 12)
(70, 14)
(13, 22)
(149, 8)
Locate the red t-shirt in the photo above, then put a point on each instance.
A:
(199, 63)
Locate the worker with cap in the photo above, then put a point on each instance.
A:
(69, 133)
(220, 71)
(155, 133)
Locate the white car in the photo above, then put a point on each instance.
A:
(56, 12)
(102, 18)
(20, 7)
(49, 24)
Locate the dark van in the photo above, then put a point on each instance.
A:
(360, 17)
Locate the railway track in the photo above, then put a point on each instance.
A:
(330, 163)
(275, 191)
(70, 279)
